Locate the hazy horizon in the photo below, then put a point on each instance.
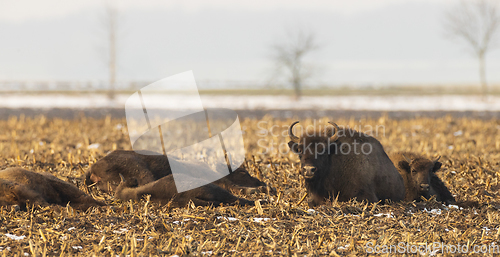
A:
(362, 42)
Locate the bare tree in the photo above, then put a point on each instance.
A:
(111, 26)
(477, 23)
(289, 57)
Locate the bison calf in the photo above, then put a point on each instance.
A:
(151, 166)
(164, 191)
(17, 186)
(346, 164)
(419, 175)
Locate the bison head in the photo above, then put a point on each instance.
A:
(313, 148)
(10, 195)
(419, 172)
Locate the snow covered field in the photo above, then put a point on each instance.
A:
(262, 102)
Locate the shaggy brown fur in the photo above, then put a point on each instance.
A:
(419, 175)
(17, 186)
(164, 190)
(151, 166)
(348, 165)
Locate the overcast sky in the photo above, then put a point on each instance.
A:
(362, 41)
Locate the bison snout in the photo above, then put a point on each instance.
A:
(309, 171)
(424, 187)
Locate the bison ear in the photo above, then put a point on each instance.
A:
(293, 146)
(94, 178)
(437, 166)
(404, 165)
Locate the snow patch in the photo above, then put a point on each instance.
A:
(227, 218)
(433, 211)
(14, 237)
(120, 231)
(261, 219)
(344, 247)
(388, 215)
(178, 102)
(177, 222)
(94, 146)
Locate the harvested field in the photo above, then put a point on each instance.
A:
(469, 150)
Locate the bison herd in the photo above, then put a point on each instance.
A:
(329, 164)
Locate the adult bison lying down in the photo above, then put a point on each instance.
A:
(421, 180)
(17, 186)
(346, 164)
(150, 166)
(164, 191)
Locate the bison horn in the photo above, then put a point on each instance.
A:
(336, 134)
(407, 159)
(121, 177)
(293, 137)
(437, 159)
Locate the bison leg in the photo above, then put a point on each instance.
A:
(84, 202)
(368, 196)
(216, 195)
(24, 195)
(315, 200)
(202, 202)
(106, 176)
(63, 192)
(241, 181)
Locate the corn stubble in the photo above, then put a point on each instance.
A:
(470, 151)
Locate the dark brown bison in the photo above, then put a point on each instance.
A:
(421, 180)
(151, 166)
(17, 186)
(164, 191)
(346, 164)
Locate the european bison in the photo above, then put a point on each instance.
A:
(419, 175)
(346, 164)
(17, 186)
(164, 191)
(151, 166)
